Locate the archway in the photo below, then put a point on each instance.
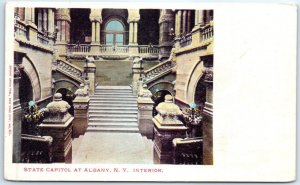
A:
(200, 94)
(67, 96)
(25, 90)
(114, 33)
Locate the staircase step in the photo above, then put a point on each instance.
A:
(113, 98)
(113, 108)
(113, 93)
(100, 104)
(108, 111)
(114, 87)
(99, 120)
(114, 124)
(113, 101)
(113, 116)
(123, 130)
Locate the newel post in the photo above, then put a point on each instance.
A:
(81, 111)
(167, 126)
(58, 125)
(145, 108)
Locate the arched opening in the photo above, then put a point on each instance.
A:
(80, 29)
(67, 96)
(114, 33)
(25, 90)
(157, 98)
(200, 94)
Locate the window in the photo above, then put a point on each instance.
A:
(114, 33)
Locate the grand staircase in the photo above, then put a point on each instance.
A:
(113, 109)
(112, 136)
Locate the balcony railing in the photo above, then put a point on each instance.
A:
(36, 149)
(188, 151)
(207, 32)
(79, 48)
(20, 29)
(42, 38)
(148, 49)
(110, 49)
(185, 40)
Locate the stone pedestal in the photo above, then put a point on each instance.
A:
(145, 108)
(95, 48)
(90, 70)
(81, 111)
(137, 70)
(58, 125)
(167, 126)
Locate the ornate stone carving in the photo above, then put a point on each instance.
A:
(144, 92)
(208, 74)
(82, 91)
(96, 15)
(58, 110)
(17, 72)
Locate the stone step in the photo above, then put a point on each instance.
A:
(100, 120)
(97, 108)
(108, 111)
(114, 124)
(110, 93)
(123, 130)
(113, 103)
(121, 98)
(113, 99)
(101, 104)
(95, 115)
(114, 87)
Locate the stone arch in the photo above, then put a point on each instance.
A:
(31, 72)
(65, 84)
(162, 85)
(192, 83)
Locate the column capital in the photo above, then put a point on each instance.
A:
(96, 15)
(133, 15)
(63, 14)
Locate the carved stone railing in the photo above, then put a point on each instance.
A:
(70, 70)
(42, 38)
(79, 48)
(148, 49)
(158, 70)
(185, 40)
(110, 49)
(20, 29)
(207, 32)
(188, 151)
(36, 149)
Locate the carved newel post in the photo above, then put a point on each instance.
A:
(81, 111)
(145, 107)
(90, 70)
(137, 70)
(58, 125)
(167, 126)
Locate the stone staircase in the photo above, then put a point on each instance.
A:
(113, 109)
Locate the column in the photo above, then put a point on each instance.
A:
(81, 111)
(93, 32)
(40, 19)
(51, 27)
(167, 126)
(97, 32)
(145, 108)
(178, 22)
(189, 21)
(135, 33)
(32, 28)
(96, 19)
(90, 70)
(58, 125)
(45, 19)
(184, 25)
(130, 32)
(63, 20)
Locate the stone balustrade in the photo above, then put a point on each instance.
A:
(185, 40)
(148, 49)
(70, 70)
(42, 38)
(188, 151)
(20, 29)
(158, 70)
(36, 149)
(79, 48)
(207, 32)
(109, 49)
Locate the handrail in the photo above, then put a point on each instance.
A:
(70, 69)
(158, 70)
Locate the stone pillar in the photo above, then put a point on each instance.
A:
(90, 70)
(31, 27)
(81, 111)
(63, 24)
(167, 126)
(189, 21)
(184, 22)
(58, 125)
(133, 19)
(207, 121)
(96, 19)
(17, 115)
(51, 20)
(135, 35)
(178, 23)
(166, 24)
(45, 19)
(131, 33)
(145, 107)
(137, 70)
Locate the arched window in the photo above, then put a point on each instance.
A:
(114, 33)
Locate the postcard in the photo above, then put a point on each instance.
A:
(180, 92)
